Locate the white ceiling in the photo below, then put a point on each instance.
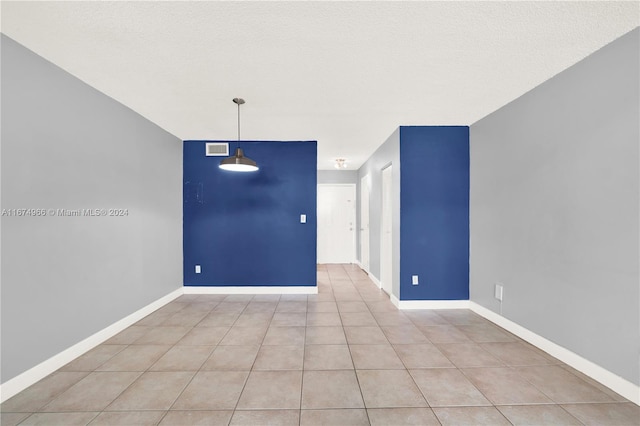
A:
(343, 73)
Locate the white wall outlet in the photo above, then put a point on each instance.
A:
(198, 269)
(414, 279)
(498, 291)
(303, 218)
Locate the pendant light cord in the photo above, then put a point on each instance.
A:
(238, 101)
(238, 121)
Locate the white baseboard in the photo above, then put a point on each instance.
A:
(429, 304)
(24, 380)
(395, 301)
(42, 370)
(614, 382)
(375, 280)
(251, 289)
(361, 266)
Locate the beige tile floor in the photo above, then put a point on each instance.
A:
(346, 356)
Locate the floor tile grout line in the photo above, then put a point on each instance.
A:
(244, 386)
(186, 385)
(497, 407)
(179, 393)
(513, 368)
(494, 403)
(405, 368)
(304, 355)
(355, 373)
(39, 410)
(587, 382)
(122, 392)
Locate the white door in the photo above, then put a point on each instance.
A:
(364, 223)
(386, 250)
(336, 223)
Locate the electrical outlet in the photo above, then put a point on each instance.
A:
(303, 218)
(414, 279)
(498, 292)
(198, 269)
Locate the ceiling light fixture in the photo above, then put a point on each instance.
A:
(341, 163)
(238, 162)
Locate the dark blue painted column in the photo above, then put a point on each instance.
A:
(434, 212)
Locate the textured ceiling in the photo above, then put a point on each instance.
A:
(343, 73)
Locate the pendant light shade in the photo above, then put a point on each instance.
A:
(238, 163)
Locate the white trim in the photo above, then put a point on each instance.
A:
(42, 370)
(429, 304)
(251, 289)
(394, 300)
(614, 382)
(364, 189)
(357, 262)
(375, 280)
(383, 247)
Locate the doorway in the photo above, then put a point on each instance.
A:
(364, 223)
(336, 223)
(386, 237)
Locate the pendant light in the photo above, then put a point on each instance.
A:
(238, 162)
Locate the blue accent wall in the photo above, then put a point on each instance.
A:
(434, 212)
(244, 228)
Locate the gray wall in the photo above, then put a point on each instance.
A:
(387, 153)
(66, 145)
(554, 208)
(337, 176)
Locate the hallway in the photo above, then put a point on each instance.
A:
(345, 356)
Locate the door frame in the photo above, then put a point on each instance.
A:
(365, 189)
(386, 278)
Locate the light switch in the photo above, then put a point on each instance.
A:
(414, 279)
(198, 270)
(303, 218)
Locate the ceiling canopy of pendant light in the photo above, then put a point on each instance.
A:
(238, 162)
